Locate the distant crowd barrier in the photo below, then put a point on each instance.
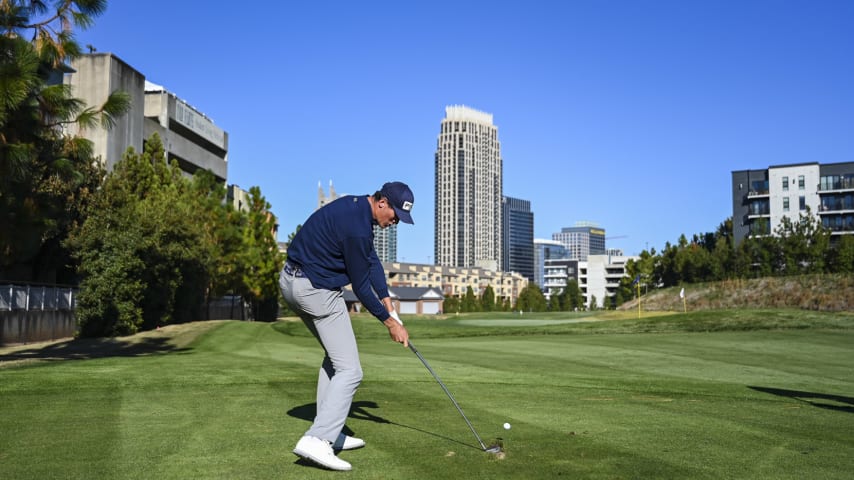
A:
(36, 313)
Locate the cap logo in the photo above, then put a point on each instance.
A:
(407, 206)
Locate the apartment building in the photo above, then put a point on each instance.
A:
(761, 198)
(454, 281)
(598, 277)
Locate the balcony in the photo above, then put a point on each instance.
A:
(835, 205)
(757, 193)
(836, 184)
(758, 213)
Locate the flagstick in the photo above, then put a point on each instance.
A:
(639, 300)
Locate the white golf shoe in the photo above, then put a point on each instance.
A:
(320, 452)
(345, 442)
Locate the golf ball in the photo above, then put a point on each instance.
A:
(506, 426)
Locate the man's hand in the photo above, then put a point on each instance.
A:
(396, 330)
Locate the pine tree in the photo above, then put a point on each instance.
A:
(46, 177)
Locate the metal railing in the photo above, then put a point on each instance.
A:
(37, 298)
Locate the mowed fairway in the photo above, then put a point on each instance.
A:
(584, 402)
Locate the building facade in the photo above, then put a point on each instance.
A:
(189, 137)
(385, 239)
(545, 250)
(582, 240)
(556, 273)
(761, 198)
(598, 277)
(468, 179)
(518, 232)
(454, 281)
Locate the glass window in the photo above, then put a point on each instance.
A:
(802, 202)
(785, 204)
(800, 182)
(785, 183)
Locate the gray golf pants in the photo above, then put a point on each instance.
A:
(325, 314)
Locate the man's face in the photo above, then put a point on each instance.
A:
(385, 214)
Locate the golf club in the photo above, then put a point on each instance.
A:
(491, 448)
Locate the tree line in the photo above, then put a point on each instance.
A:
(797, 246)
(146, 244)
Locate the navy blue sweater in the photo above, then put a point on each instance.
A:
(336, 247)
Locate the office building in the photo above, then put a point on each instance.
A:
(761, 198)
(518, 237)
(582, 240)
(385, 239)
(189, 137)
(468, 178)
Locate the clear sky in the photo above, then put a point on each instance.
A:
(628, 113)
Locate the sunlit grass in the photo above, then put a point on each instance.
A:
(748, 394)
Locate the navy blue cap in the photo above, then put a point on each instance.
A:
(401, 199)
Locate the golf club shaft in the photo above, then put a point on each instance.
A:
(418, 354)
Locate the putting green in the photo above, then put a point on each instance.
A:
(521, 322)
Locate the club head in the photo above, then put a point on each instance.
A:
(493, 449)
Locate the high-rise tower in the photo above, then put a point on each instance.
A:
(518, 237)
(468, 191)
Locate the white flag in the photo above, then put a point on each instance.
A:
(682, 293)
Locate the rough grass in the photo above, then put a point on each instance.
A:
(823, 292)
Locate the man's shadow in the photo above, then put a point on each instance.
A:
(837, 403)
(360, 411)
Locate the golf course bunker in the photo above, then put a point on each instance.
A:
(512, 322)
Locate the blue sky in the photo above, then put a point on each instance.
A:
(631, 114)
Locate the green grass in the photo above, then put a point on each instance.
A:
(726, 394)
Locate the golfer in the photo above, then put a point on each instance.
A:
(334, 248)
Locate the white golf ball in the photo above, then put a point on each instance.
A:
(506, 426)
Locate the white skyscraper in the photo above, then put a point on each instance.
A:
(468, 191)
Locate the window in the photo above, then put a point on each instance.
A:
(786, 184)
(785, 204)
(800, 182)
(802, 202)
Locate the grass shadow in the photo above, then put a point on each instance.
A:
(359, 410)
(84, 349)
(837, 403)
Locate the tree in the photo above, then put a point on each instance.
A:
(451, 304)
(531, 299)
(574, 298)
(141, 249)
(487, 300)
(469, 302)
(841, 256)
(46, 177)
(803, 244)
(261, 259)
